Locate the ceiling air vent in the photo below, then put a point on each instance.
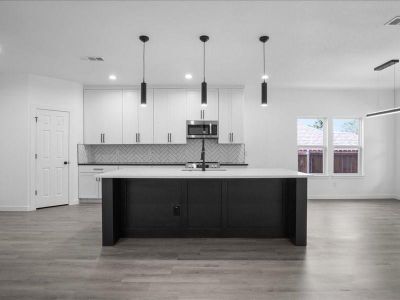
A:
(394, 21)
(95, 58)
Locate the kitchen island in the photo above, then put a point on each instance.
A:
(171, 202)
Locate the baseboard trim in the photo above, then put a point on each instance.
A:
(74, 202)
(89, 201)
(354, 197)
(15, 208)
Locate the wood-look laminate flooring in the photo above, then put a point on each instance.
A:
(353, 252)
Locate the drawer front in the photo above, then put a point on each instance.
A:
(96, 169)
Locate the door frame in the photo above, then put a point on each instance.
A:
(32, 167)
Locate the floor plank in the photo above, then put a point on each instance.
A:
(353, 252)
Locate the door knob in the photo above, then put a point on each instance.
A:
(66, 162)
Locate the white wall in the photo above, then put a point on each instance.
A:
(57, 94)
(13, 138)
(270, 134)
(397, 139)
(20, 95)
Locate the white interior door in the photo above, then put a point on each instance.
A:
(52, 144)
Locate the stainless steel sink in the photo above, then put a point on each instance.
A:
(208, 169)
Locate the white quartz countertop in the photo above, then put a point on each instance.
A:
(176, 172)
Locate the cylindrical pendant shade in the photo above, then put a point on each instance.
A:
(264, 94)
(143, 90)
(204, 93)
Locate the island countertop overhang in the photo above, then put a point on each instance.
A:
(178, 173)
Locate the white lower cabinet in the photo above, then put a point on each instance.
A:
(89, 186)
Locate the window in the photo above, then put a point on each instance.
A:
(311, 145)
(346, 146)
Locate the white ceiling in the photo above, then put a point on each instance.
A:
(312, 44)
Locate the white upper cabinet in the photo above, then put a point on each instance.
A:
(103, 117)
(137, 119)
(195, 111)
(117, 117)
(231, 116)
(169, 116)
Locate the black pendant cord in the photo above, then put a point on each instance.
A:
(144, 60)
(204, 61)
(264, 60)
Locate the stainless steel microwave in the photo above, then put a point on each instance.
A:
(202, 129)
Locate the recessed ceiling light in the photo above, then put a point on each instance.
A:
(112, 77)
(265, 77)
(188, 76)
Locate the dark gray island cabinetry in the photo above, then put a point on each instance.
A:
(234, 203)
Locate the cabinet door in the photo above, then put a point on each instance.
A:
(193, 103)
(93, 111)
(103, 115)
(204, 204)
(88, 186)
(237, 115)
(145, 119)
(255, 203)
(177, 116)
(225, 116)
(131, 100)
(112, 117)
(195, 111)
(161, 116)
(211, 110)
(150, 205)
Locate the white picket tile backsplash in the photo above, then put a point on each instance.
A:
(224, 153)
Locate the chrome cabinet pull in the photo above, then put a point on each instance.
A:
(139, 137)
(136, 137)
(201, 114)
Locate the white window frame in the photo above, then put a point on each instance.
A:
(324, 146)
(360, 148)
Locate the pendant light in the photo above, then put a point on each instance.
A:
(264, 102)
(394, 110)
(143, 86)
(204, 39)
